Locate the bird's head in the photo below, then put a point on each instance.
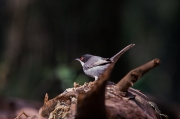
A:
(84, 58)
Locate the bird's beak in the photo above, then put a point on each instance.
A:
(77, 59)
(82, 63)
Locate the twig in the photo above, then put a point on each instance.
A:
(45, 99)
(21, 114)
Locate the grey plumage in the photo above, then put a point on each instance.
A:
(94, 66)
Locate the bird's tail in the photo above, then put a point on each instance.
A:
(118, 55)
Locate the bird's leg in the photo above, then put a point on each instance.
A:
(96, 78)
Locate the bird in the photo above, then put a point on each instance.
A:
(94, 66)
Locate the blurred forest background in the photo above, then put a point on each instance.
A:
(39, 40)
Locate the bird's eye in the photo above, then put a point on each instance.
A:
(81, 58)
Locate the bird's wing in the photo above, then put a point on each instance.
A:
(96, 62)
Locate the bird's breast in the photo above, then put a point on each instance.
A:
(95, 71)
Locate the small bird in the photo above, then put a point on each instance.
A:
(94, 66)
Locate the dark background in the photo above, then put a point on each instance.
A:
(39, 40)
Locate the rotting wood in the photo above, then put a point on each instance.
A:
(104, 100)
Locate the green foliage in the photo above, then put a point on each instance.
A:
(66, 74)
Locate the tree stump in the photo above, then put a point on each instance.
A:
(102, 99)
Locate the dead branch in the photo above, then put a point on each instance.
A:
(135, 74)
